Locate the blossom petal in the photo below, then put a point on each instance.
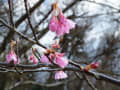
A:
(60, 75)
(59, 54)
(44, 59)
(11, 57)
(61, 61)
(64, 24)
(71, 24)
(53, 24)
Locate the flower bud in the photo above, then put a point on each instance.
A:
(93, 65)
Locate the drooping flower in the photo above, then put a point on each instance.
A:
(44, 59)
(60, 25)
(93, 65)
(65, 24)
(60, 60)
(12, 57)
(33, 59)
(60, 75)
(53, 24)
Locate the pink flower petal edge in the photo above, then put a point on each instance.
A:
(64, 25)
(61, 61)
(44, 59)
(60, 75)
(53, 24)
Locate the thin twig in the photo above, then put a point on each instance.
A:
(29, 21)
(22, 35)
(36, 68)
(89, 82)
(102, 4)
(43, 85)
(10, 2)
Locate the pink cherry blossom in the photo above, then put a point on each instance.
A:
(64, 25)
(60, 75)
(60, 60)
(61, 25)
(11, 57)
(44, 59)
(33, 59)
(67, 22)
(53, 24)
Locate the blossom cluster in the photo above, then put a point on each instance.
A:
(60, 24)
(51, 57)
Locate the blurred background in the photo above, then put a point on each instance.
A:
(95, 38)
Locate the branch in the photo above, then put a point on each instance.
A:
(89, 82)
(29, 21)
(103, 4)
(20, 34)
(27, 68)
(23, 17)
(100, 76)
(45, 17)
(10, 2)
(43, 85)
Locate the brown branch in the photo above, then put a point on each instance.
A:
(43, 85)
(33, 68)
(87, 79)
(99, 76)
(89, 82)
(10, 2)
(23, 17)
(45, 17)
(102, 4)
(22, 35)
(29, 21)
